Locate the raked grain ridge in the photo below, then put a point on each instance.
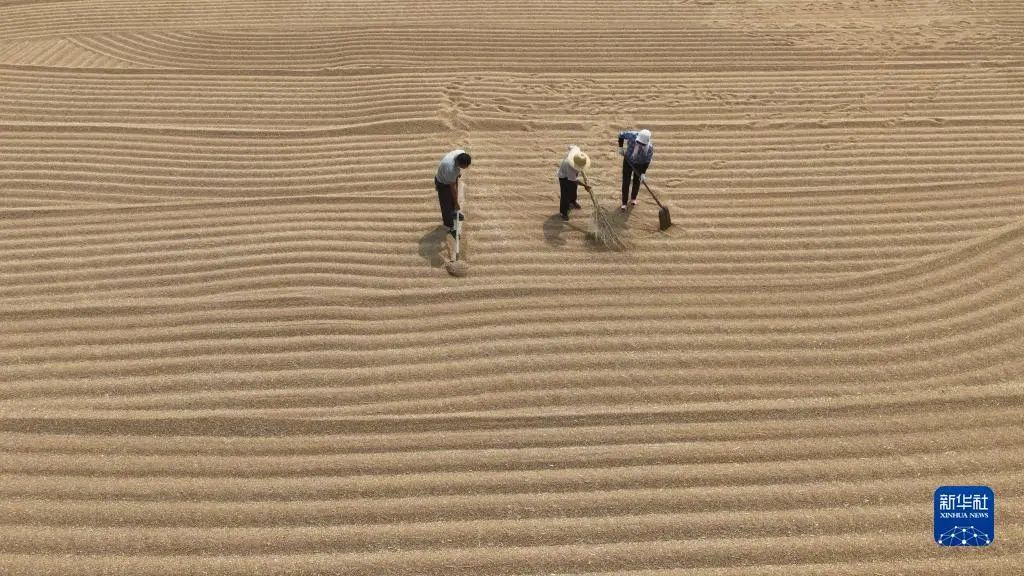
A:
(228, 346)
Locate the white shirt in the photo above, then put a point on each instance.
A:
(568, 169)
(447, 171)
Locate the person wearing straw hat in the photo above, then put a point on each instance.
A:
(574, 162)
(636, 158)
(446, 182)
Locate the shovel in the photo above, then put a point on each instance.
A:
(664, 218)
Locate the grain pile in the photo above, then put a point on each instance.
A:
(228, 344)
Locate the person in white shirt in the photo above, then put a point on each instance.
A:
(446, 182)
(575, 161)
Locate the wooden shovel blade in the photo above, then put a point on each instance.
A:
(664, 219)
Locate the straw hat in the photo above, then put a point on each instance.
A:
(580, 160)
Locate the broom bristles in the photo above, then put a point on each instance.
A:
(605, 231)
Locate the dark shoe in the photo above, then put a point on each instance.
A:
(452, 232)
(565, 216)
(576, 205)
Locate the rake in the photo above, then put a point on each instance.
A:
(457, 267)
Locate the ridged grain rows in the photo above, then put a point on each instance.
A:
(228, 345)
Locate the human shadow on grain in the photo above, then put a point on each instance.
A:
(554, 228)
(432, 246)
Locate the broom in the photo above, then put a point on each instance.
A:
(605, 232)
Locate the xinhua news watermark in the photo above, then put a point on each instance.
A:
(965, 516)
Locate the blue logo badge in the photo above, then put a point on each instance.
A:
(965, 516)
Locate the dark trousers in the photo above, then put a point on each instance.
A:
(444, 198)
(567, 189)
(629, 174)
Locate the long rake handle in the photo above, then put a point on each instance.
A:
(458, 236)
(458, 223)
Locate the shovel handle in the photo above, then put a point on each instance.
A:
(644, 182)
(656, 201)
